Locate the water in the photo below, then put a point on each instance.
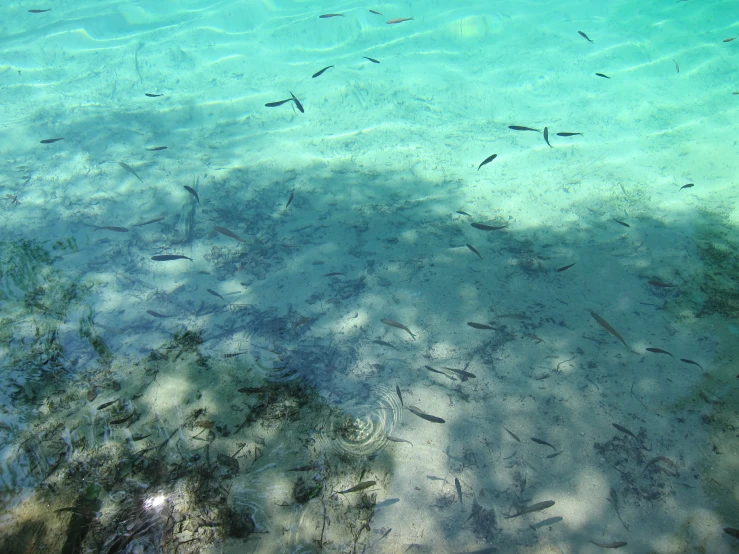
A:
(219, 402)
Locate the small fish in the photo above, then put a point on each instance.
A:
(319, 73)
(677, 67)
(460, 212)
(392, 323)
(440, 372)
(228, 233)
(334, 274)
(123, 419)
(50, 141)
(602, 75)
(621, 222)
(464, 375)
(474, 250)
(290, 200)
(617, 544)
(110, 228)
(546, 136)
(327, 15)
(565, 267)
(297, 103)
(169, 257)
(484, 227)
(302, 468)
(371, 59)
(661, 284)
(385, 343)
(545, 443)
(360, 487)
(398, 20)
(583, 35)
(729, 39)
(39, 11)
(555, 454)
(533, 508)
(659, 351)
(625, 430)
(155, 220)
(233, 355)
(214, 293)
(400, 396)
(423, 415)
(152, 313)
(690, 362)
(511, 433)
(130, 170)
(688, 186)
(193, 192)
(735, 93)
(150, 95)
(480, 326)
(730, 530)
(374, 12)
(661, 459)
(275, 104)
(568, 134)
(487, 161)
(458, 486)
(519, 128)
(155, 148)
(107, 404)
(139, 437)
(603, 323)
(395, 439)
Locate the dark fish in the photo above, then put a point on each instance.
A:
(327, 15)
(484, 227)
(617, 544)
(659, 351)
(460, 212)
(440, 372)
(360, 487)
(374, 12)
(400, 396)
(661, 459)
(214, 293)
(661, 284)
(399, 20)
(290, 200)
(275, 104)
(474, 250)
(252, 390)
(730, 39)
(395, 439)
(545, 443)
(49, 141)
(39, 11)
(139, 437)
(568, 134)
(155, 220)
(109, 228)
(107, 404)
(480, 326)
(690, 362)
(297, 103)
(169, 257)
(546, 136)
(487, 161)
(301, 468)
(730, 530)
(620, 222)
(130, 170)
(555, 454)
(519, 128)
(392, 323)
(464, 375)
(689, 185)
(193, 192)
(156, 148)
(150, 95)
(233, 355)
(334, 274)
(318, 74)
(371, 59)
(424, 415)
(511, 433)
(459, 493)
(563, 268)
(602, 75)
(583, 35)
(152, 313)
(625, 430)
(534, 508)
(228, 233)
(603, 323)
(123, 419)
(384, 343)
(677, 67)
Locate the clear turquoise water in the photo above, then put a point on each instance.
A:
(153, 406)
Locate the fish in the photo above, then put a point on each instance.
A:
(150, 95)
(139, 437)
(106, 404)
(483, 227)
(661, 284)
(327, 15)
(568, 134)
(169, 257)
(110, 228)
(193, 192)
(603, 323)
(677, 67)
(152, 313)
(155, 220)
(545, 443)
(689, 185)
(533, 508)
(374, 12)
(156, 148)
(690, 362)
(297, 103)
(395, 439)
(464, 375)
(460, 212)
(398, 20)
(279, 103)
(360, 487)
(214, 293)
(625, 430)
(511, 433)
(39, 11)
(565, 267)
(546, 136)
(732, 532)
(729, 39)
(487, 161)
(617, 544)
(423, 415)
(385, 343)
(621, 222)
(659, 351)
(371, 59)
(555, 454)
(319, 73)
(586, 37)
(400, 396)
(474, 250)
(50, 141)
(602, 75)
(228, 233)
(440, 372)
(661, 459)
(290, 200)
(130, 170)
(233, 355)
(392, 323)
(520, 128)
(334, 274)
(480, 326)
(458, 486)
